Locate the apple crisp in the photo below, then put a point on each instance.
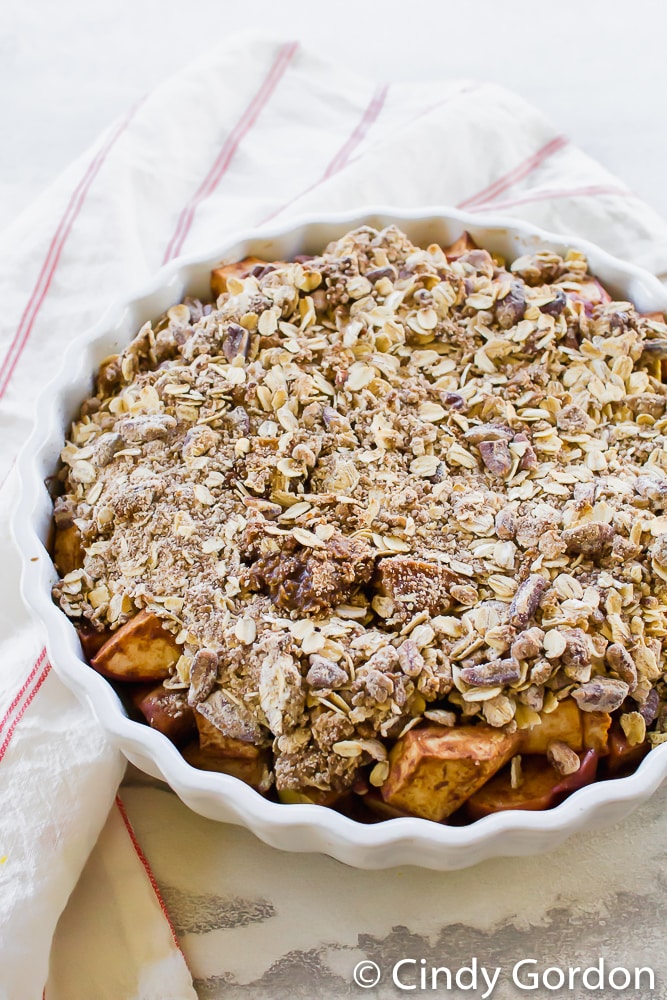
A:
(377, 498)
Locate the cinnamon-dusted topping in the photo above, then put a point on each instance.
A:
(407, 586)
(378, 486)
(303, 573)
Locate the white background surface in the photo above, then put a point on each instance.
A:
(596, 67)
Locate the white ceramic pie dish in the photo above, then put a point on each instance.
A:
(218, 796)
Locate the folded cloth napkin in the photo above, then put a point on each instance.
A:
(254, 130)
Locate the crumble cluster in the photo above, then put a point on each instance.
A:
(382, 485)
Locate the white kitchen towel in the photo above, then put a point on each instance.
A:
(253, 129)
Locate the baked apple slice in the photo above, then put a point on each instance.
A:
(434, 770)
(217, 744)
(567, 724)
(167, 710)
(141, 650)
(596, 731)
(464, 244)
(624, 757)
(563, 724)
(381, 809)
(68, 549)
(311, 796)
(239, 269)
(542, 787)
(91, 640)
(254, 771)
(590, 293)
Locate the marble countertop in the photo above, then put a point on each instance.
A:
(263, 925)
(269, 925)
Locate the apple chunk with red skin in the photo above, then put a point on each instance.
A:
(590, 293)
(542, 787)
(141, 650)
(253, 771)
(239, 269)
(91, 640)
(166, 710)
(624, 756)
(434, 770)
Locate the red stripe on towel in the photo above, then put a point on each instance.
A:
(359, 134)
(26, 704)
(591, 190)
(517, 174)
(369, 117)
(147, 868)
(231, 145)
(26, 685)
(55, 250)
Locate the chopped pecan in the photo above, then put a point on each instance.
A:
(590, 538)
(377, 273)
(533, 696)
(510, 309)
(492, 673)
(601, 694)
(239, 420)
(496, 457)
(557, 304)
(410, 659)
(281, 694)
(455, 400)
(650, 708)
(488, 432)
(203, 675)
(324, 674)
(237, 341)
(308, 579)
(106, 447)
(653, 490)
(648, 402)
(377, 685)
(621, 662)
(541, 268)
(528, 644)
(577, 654)
(526, 600)
(330, 728)
(153, 427)
(659, 551)
(541, 671)
(505, 523)
(529, 458)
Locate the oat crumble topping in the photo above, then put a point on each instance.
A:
(381, 486)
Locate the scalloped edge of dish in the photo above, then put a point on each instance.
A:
(219, 796)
